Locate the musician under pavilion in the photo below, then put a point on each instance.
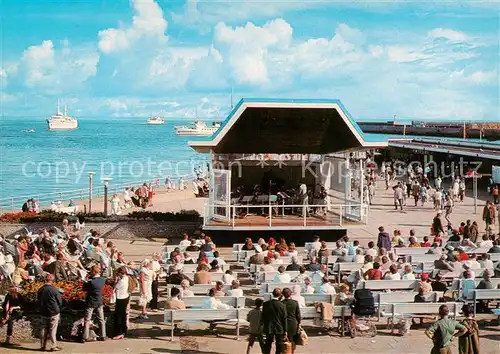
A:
(284, 164)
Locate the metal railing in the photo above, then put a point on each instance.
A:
(273, 215)
(45, 199)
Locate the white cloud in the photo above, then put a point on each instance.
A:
(148, 22)
(58, 70)
(448, 34)
(249, 45)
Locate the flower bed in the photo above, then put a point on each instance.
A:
(72, 313)
(72, 292)
(52, 216)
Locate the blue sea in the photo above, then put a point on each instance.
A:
(125, 149)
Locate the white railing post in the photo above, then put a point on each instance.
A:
(270, 215)
(340, 215)
(234, 214)
(304, 211)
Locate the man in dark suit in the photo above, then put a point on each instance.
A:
(274, 322)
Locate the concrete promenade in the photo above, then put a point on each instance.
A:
(153, 337)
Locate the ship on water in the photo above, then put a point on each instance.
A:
(199, 128)
(62, 121)
(155, 120)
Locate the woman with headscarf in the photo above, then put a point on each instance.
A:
(297, 297)
(469, 342)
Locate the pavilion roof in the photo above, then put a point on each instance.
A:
(305, 126)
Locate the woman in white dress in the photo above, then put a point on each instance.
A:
(146, 278)
(115, 204)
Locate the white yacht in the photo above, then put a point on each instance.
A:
(198, 129)
(155, 120)
(61, 121)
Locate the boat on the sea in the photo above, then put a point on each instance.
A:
(32, 130)
(155, 120)
(61, 121)
(199, 128)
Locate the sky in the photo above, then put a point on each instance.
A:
(120, 58)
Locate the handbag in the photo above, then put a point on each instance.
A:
(143, 301)
(286, 346)
(303, 338)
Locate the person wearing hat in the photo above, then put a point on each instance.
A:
(11, 306)
(49, 304)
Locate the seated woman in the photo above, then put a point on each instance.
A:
(213, 303)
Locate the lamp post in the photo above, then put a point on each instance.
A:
(106, 181)
(91, 178)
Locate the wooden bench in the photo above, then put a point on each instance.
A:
(268, 277)
(410, 251)
(418, 309)
(389, 284)
(345, 267)
(384, 300)
(214, 277)
(219, 315)
(197, 289)
(484, 294)
(199, 301)
(269, 287)
(310, 299)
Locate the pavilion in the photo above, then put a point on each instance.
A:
(265, 148)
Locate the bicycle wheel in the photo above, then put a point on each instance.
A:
(373, 330)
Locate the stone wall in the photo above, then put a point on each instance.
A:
(118, 230)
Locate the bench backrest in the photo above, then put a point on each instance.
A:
(213, 276)
(199, 301)
(204, 314)
(267, 277)
(170, 248)
(347, 267)
(415, 259)
(197, 289)
(410, 251)
(399, 297)
(486, 294)
(389, 284)
(269, 287)
(237, 247)
(310, 298)
(310, 312)
(423, 308)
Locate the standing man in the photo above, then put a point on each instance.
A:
(49, 303)
(443, 331)
(398, 197)
(274, 322)
(94, 287)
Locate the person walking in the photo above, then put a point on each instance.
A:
(122, 294)
(255, 327)
(398, 197)
(293, 318)
(274, 322)
(469, 342)
(384, 240)
(443, 331)
(448, 207)
(11, 311)
(93, 287)
(49, 303)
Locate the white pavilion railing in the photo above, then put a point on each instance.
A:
(273, 215)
